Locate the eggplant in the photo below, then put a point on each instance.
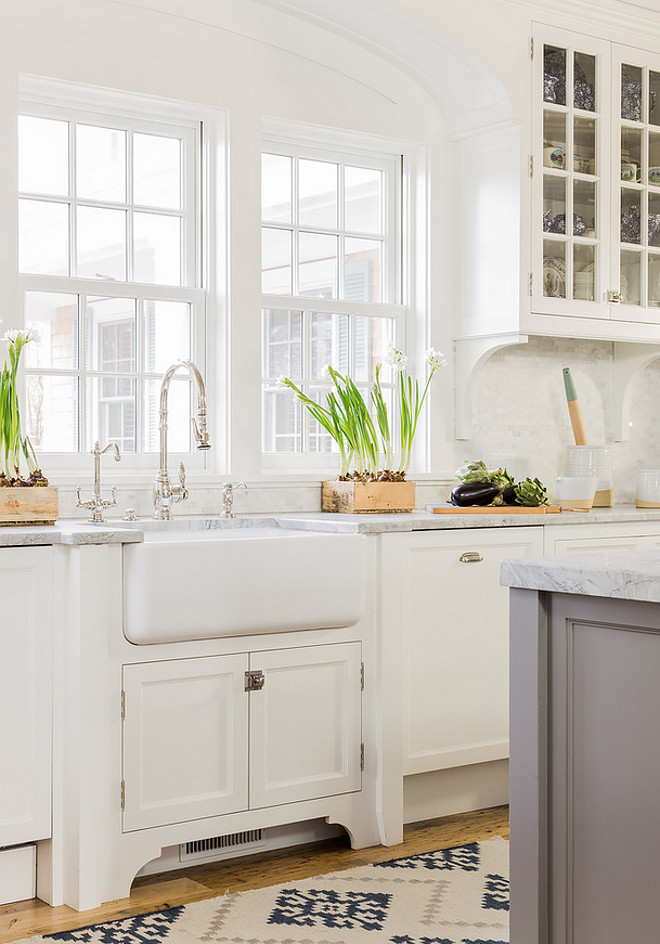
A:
(478, 493)
(509, 495)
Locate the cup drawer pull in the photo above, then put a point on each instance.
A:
(470, 557)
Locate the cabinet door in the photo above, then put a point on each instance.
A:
(455, 626)
(636, 184)
(563, 546)
(185, 740)
(571, 175)
(25, 693)
(305, 724)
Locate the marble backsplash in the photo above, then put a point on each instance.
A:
(520, 411)
(259, 499)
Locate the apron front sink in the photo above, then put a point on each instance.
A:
(188, 585)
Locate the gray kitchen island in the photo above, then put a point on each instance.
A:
(585, 748)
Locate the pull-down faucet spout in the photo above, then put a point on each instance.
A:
(166, 494)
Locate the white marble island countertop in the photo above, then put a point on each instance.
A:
(621, 574)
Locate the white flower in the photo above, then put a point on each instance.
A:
(325, 372)
(435, 359)
(12, 336)
(396, 358)
(281, 381)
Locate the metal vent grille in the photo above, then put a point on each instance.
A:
(214, 847)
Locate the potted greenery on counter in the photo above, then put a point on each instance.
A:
(370, 477)
(25, 495)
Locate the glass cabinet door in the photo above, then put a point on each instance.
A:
(570, 177)
(636, 191)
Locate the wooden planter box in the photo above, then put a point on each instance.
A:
(28, 505)
(362, 498)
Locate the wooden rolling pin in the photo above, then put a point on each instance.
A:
(574, 409)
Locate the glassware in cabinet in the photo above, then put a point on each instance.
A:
(637, 132)
(568, 252)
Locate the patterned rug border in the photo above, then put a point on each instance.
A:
(399, 909)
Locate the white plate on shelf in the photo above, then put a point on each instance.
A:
(554, 277)
(623, 281)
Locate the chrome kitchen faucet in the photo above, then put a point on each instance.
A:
(96, 504)
(166, 494)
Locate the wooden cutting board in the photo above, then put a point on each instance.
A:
(493, 510)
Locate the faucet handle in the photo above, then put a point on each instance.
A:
(228, 490)
(182, 482)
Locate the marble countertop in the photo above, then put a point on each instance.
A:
(625, 575)
(67, 531)
(424, 521)
(76, 531)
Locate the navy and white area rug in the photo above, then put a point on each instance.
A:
(453, 896)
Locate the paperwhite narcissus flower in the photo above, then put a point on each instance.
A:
(396, 358)
(12, 336)
(435, 359)
(281, 381)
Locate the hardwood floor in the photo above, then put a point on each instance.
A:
(155, 892)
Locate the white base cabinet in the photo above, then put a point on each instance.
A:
(453, 620)
(26, 591)
(198, 742)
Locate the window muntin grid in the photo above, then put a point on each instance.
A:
(94, 175)
(331, 245)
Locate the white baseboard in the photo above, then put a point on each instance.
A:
(18, 873)
(455, 790)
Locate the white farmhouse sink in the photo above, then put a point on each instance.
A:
(202, 584)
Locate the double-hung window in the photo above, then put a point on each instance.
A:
(331, 262)
(109, 257)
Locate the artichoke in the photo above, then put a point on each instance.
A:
(473, 472)
(531, 492)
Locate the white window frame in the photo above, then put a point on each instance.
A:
(204, 269)
(402, 163)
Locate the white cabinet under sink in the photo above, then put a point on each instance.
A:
(305, 724)
(166, 746)
(199, 743)
(185, 740)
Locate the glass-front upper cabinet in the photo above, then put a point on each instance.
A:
(570, 168)
(636, 193)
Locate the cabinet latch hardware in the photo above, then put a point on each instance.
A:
(470, 557)
(531, 284)
(254, 681)
(531, 165)
(531, 47)
(362, 756)
(362, 676)
(123, 706)
(123, 794)
(614, 297)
